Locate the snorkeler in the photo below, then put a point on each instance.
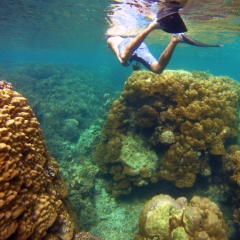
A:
(134, 49)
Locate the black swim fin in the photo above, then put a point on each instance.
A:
(171, 22)
(189, 40)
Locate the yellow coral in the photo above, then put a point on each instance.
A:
(198, 112)
(166, 218)
(236, 160)
(146, 115)
(31, 188)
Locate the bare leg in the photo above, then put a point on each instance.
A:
(165, 57)
(136, 42)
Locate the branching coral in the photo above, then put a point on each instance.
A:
(194, 114)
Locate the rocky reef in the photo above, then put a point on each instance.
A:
(166, 218)
(174, 134)
(167, 126)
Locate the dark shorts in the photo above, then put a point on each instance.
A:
(142, 54)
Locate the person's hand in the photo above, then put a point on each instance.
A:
(125, 64)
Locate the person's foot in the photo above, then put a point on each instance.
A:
(183, 38)
(178, 38)
(155, 24)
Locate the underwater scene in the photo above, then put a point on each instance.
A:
(119, 120)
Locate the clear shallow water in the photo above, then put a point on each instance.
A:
(73, 31)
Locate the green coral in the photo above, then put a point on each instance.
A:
(166, 218)
(179, 234)
(137, 154)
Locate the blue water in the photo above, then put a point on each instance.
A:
(220, 61)
(72, 33)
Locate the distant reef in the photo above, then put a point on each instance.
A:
(66, 98)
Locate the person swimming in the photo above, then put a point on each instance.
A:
(128, 49)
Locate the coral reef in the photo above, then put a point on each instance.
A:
(31, 188)
(138, 164)
(72, 98)
(117, 219)
(230, 170)
(236, 161)
(5, 85)
(87, 141)
(85, 236)
(231, 163)
(166, 218)
(71, 101)
(180, 117)
(144, 140)
(70, 130)
(79, 174)
(236, 216)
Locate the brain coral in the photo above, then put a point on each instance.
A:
(183, 117)
(31, 188)
(166, 218)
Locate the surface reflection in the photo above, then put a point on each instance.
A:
(66, 23)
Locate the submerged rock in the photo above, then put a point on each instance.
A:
(166, 218)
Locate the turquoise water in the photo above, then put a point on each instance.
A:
(55, 54)
(73, 32)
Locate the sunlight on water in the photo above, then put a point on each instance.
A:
(50, 23)
(74, 31)
(213, 20)
(59, 23)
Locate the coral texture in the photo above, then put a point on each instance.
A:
(85, 236)
(181, 116)
(236, 216)
(79, 175)
(62, 110)
(166, 218)
(236, 160)
(31, 188)
(231, 163)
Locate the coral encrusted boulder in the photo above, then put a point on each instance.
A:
(165, 127)
(166, 218)
(31, 188)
